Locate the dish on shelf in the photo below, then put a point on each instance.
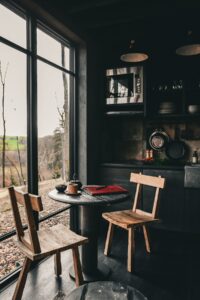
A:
(194, 109)
(166, 111)
(167, 108)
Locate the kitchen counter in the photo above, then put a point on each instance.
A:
(141, 164)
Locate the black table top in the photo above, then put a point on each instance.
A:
(85, 199)
(104, 290)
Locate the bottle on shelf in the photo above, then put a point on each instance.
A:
(147, 154)
(195, 157)
(151, 154)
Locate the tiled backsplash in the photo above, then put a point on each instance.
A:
(127, 139)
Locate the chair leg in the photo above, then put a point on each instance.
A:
(57, 264)
(146, 238)
(109, 239)
(22, 280)
(77, 267)
(131, 249)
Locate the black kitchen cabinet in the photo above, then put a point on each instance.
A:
(192, 198)
(192, 208)
(172, 199)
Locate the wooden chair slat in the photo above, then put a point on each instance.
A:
(155, 203)
(36, 201)
(16, 214)
(137, 196)
(143, 213)
(31, 225)
(148, 180)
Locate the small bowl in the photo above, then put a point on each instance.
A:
(61, 188)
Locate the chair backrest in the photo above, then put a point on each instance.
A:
(153, 181)
(31, 203)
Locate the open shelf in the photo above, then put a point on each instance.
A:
(173, 117)
(124, 113)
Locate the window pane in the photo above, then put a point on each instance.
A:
(10, 257)
(13, 149)
(61, 218)
(53, 130)
(52, 49)
(12, 26)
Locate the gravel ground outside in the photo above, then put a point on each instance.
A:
(10, 256)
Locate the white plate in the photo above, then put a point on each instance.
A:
(71, 194)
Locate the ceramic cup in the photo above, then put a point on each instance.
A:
(72, 188)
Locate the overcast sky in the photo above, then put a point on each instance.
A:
(50, 84)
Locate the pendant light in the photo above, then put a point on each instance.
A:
(190, 48)
(132, 55)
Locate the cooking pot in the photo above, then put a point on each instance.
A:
(158, 139)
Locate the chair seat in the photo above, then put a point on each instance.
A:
(53, 239)
(127, 218)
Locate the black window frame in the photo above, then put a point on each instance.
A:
(32, 137)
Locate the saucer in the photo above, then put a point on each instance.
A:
(72, 194)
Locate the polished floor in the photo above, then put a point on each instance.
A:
(170, 272)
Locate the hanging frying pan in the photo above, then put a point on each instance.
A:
(158, 139)
(176, 149)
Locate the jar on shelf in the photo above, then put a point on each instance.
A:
(195, 157)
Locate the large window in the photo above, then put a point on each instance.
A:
(53, 102)
(36, 83)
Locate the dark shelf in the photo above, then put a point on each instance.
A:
(125, 104)
(124, 113)
(173, 117)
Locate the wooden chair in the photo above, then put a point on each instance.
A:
(36, 245)
(129, 219)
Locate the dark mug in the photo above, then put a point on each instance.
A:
(77, 182)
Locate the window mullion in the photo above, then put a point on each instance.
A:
(32, 108)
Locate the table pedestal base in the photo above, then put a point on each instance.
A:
(101, 273)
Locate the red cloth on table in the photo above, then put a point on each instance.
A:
(108, 189)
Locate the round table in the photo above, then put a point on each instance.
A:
(104, 290)
(89, 220)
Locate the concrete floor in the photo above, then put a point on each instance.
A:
(170, 272)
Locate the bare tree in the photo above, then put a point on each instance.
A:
(63, 113)
(3, 83)
(15, 167)
(19, 157)
(64, 121)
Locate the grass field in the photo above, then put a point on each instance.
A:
(11, 143)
